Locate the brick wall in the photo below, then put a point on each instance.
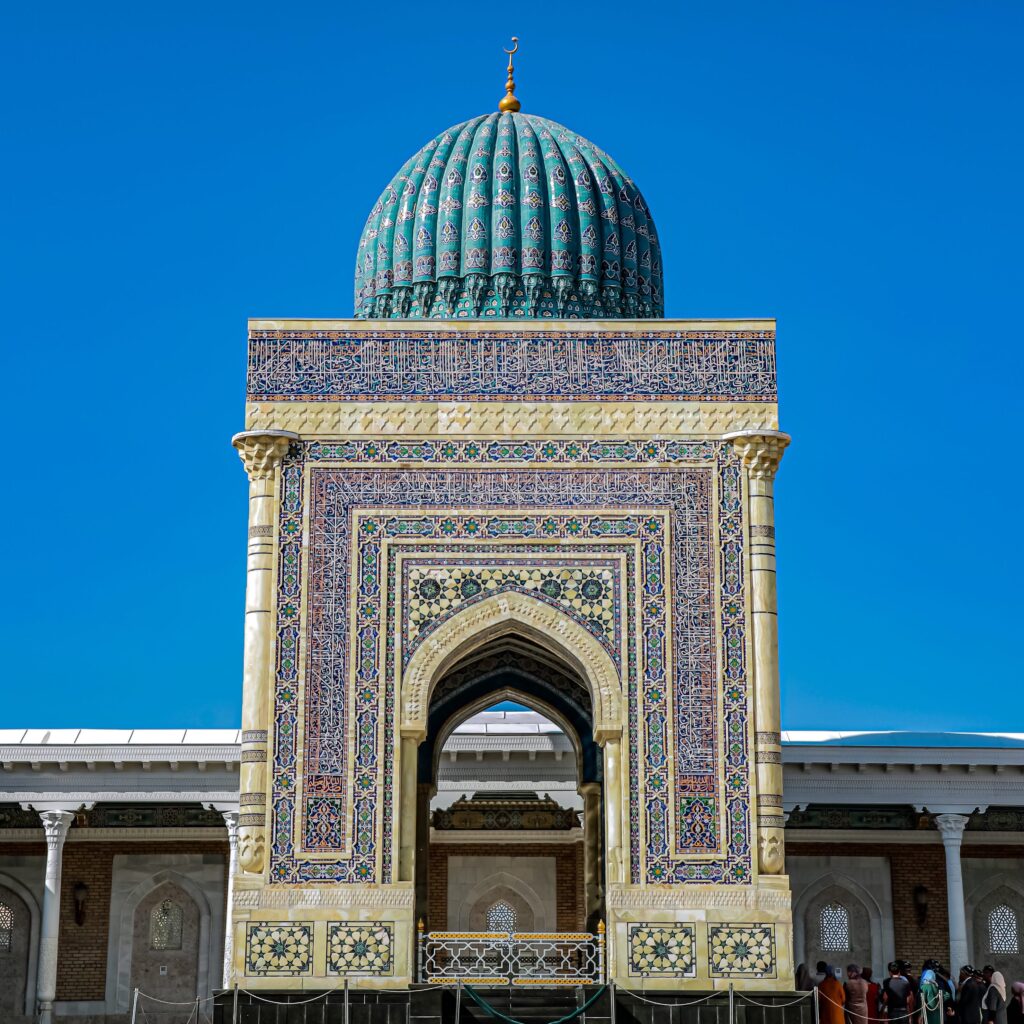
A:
(569, 910)
(82, 957)
(910, 865)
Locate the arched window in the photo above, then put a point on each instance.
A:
(6, 927)
(1003, 933)
(165, 921)
(835, 928)
(501, 918)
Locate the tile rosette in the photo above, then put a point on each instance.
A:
(278, 950)
(742, 951)
(664, 950)
(364, 948)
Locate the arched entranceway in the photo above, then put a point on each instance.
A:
(515, 652)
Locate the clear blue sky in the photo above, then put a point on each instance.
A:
(853, 169)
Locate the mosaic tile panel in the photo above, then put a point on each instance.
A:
(278, 950)
(741, 951)
(475, 364)
(434, 594)
(676, 506)
(662, 949)
(363, 948)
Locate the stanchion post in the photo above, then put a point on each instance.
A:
(135, 1003)
(732, 1004)
(817, 1008)
(234, 1006)
(600, 952)
(458, 1001)
(345, 1013)
(611, 1005)
(419, 952)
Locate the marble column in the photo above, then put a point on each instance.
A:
(760, 453)
(261, 453)
(55, 825)
(951, 827)
(592, 894)
(231, 823)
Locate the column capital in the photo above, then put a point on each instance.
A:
(56, 825)
(951, 826)
(262, 450)
(759, 450)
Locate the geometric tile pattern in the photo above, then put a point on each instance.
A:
(477, 364)
(436, 593)
(662, 949)
(741, 950)
(669, 511)
(363, 948)
(278, 950)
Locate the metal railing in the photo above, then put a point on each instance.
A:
(511, 958)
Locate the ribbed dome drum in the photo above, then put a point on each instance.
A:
(509, 215)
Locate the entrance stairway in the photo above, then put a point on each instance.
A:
(535, 1005)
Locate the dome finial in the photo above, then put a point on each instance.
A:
(509, 104)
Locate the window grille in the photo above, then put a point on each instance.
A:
(501, 918)
(6, 927)
(165, 926)
(835, 928)
(1003, 935)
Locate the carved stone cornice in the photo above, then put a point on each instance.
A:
(760, 451)
(517, 419)
(328, 896)
(698, 898)
(262, 450)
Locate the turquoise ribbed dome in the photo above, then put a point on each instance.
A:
(509, 215)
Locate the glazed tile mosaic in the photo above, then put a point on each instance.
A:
(475, 364)
(364, 948)
(278, 950)
(660, 524)
(662, 949)
(433, 594)
(742, 950)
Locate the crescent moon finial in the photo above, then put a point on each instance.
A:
(509, 104)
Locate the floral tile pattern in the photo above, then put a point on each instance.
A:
(660, 949)
(278, 950)
(742, 950)
(363, 948)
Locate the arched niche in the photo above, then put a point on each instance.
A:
(1001, 890)
(863, 917)
(19, 918)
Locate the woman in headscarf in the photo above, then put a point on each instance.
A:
(931, 998)
(804, 981)
(995, 998)
(1015, 1007)
(831, 997)
(856, 996)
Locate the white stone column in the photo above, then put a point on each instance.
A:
(761, 452)
(408, 805)
(231, 823)
(55, 825)
(614, 860)
(261, 452)
(951, 827)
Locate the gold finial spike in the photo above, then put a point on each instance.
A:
(509, 104)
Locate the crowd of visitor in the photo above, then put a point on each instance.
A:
(978, 997)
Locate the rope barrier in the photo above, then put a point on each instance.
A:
(487, 1008)
(776, 1006)
(655, 1002)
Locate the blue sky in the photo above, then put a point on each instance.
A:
(853, 169)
